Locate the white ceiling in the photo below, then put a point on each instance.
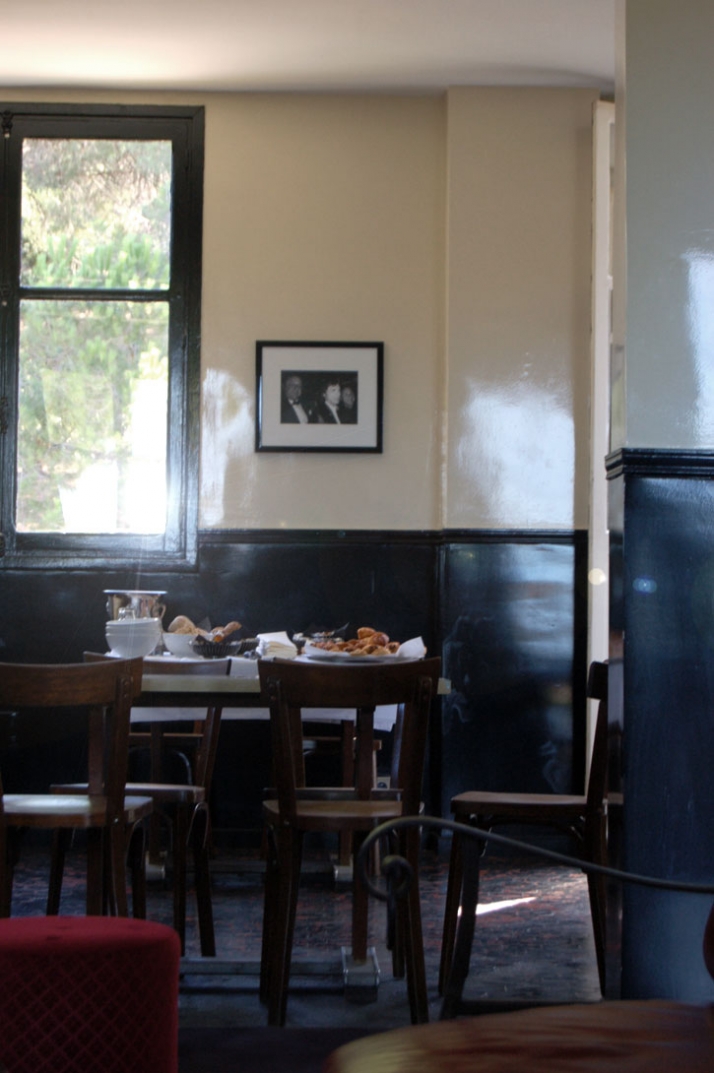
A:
(306, 45)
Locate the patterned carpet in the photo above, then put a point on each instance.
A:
(533, 942)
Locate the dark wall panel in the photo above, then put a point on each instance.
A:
(512, 633)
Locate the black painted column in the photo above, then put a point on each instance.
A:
(662, 721)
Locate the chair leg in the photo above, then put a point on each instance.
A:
(451, 910)
(116, 865)
(289, 847)
(269, 852)
(98, 895)
(201, 845)
(137, 868)
(397, 949)
(396, 940)
(360, 907)
(469, 891)
(8, 857)
(61, 839)
(6, 890)
(347, 755)
(597, 893)
(178, 852)
(413, 936)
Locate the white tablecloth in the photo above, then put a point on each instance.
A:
(384, 716)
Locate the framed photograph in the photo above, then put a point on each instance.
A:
(319, 396)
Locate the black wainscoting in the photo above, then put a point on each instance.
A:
(514, 649)
(662, 711)
(506, 609)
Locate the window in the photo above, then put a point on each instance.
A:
(100, 282)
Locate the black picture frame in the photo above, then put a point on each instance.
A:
(319, 396)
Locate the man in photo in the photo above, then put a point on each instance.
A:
(328, 408)
(292, 411)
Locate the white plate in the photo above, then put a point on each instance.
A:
(344, 657)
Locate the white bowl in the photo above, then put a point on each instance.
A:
(134, 623)
(127, 641)
(179, 644)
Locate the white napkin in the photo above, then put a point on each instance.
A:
(276, 646)
(242, 667)
(413, 649)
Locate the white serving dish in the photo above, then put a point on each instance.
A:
(180, 644)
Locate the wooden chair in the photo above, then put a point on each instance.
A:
(288, 687)
(105, 691)
(581, 815)
(184, 805)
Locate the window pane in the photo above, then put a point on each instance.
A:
(95, 213)
(93, 396)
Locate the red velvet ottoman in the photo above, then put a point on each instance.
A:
(88, 995)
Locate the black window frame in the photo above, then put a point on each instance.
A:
(185, 127)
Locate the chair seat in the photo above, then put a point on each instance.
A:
(169, 792)
(159, 792)
(483, 802)
(336, 815)
(67, 810)
(628, 1036)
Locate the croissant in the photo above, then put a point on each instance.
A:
(182, 624)
(221, 632)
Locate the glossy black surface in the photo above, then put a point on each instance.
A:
(662, 563)
(511, 627)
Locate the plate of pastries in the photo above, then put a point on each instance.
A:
(369, 645)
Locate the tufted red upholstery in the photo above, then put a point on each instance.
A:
(88, 995)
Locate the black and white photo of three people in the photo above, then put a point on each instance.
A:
(310, 398)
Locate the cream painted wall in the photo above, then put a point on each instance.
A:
(324, 220)
(331, 217)
(518, 302)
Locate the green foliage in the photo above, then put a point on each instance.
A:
(96, 213)
(95, 216)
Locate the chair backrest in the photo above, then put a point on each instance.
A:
(289, 686)
(137, 666)
(207, 749)
(105, 689)
(204, 738)
(597, 779)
